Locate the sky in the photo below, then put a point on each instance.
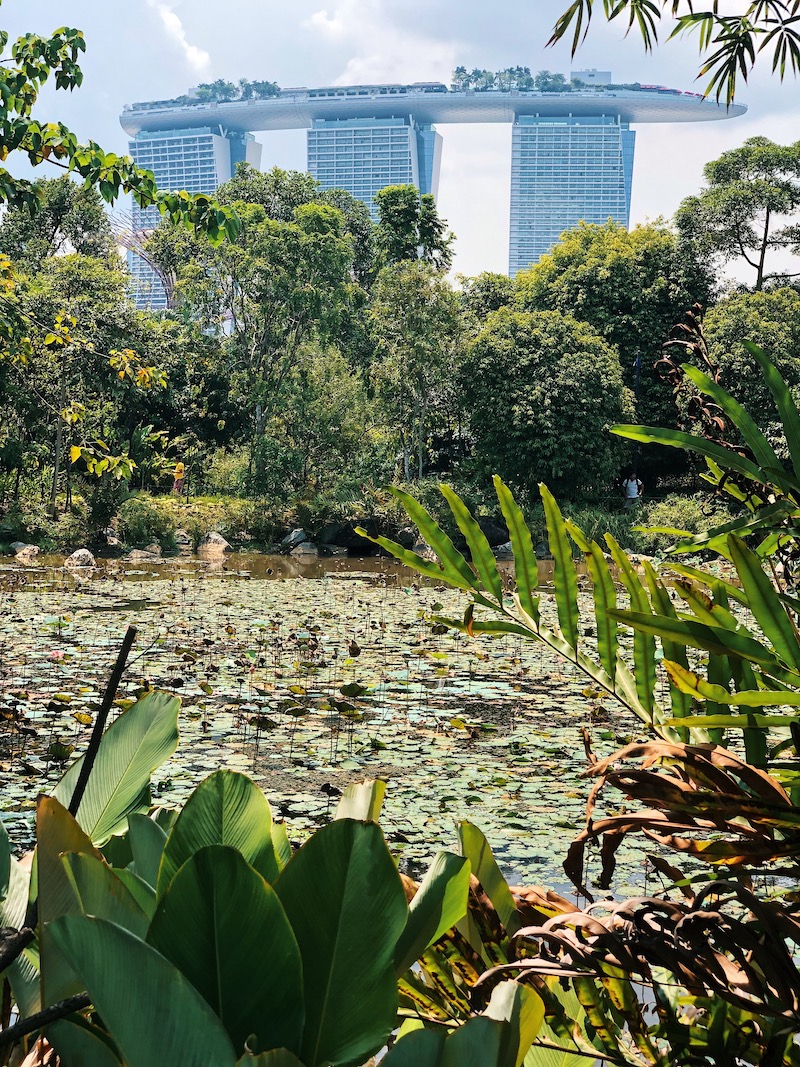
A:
(156, 49)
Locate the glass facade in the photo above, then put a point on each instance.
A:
(197, 160)
(565, 169)
(365, 155)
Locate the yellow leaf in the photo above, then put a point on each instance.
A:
(74, 454)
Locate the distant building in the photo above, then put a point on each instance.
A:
(572, 154)
(197, 159)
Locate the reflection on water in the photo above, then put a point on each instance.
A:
(49, 572)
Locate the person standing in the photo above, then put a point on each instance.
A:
(632, 489)
(178, 478)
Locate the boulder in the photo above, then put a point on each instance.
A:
(407, 537)
(422, 548)
(182, 538)
(348, 538)
(494, 533)
(154, 549)
(80, 558)
(504, 551)
(543, 551)
(333, 550)
(214, 542)
(305, 548)
(293, 539)
(20, 548)
(143, 555)
(330, 533)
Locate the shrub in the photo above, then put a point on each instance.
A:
(694, 514)
(144, 519)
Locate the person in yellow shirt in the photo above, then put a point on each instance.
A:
(178, 478)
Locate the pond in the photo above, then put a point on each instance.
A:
(308, 675)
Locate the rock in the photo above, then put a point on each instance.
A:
(407, 537)
(422, 548)
(20, 548)
(305, 548)
(154, 549)
(214, 542)
(504, 551)
(80, 558)
(143, 555)
(182, 538)
(330, 533)
(494, 533)
(293, 539)
(543, 551)
(639, 557)
(333, 550)
(348, 538)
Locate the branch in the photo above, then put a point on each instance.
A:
(59, 1010)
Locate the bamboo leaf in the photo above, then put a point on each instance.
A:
(565, 577)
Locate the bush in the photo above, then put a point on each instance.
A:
(144, 519)
(227, 472)
(694, 514)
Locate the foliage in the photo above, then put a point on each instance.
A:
(409, 228)
(692, 514)
(541, 389)
(730, 41)
(144, 519)
(748, 209)
(631, 287)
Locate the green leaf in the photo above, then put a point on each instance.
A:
(225, 809)
(456, 569)
(281, 844)
(662, 603)
(279, 1057)
(5, 860)
(521, 1010)
(345, 902)
(362, 800)
(726, 458)
(147, 841)
(420, 1048)
(644, 647)
(439, 903)
(99, 892)
(484, 866)
(790, 419)
(482, 558)
(605, 598)
(753, 437)
(78, 1041)
(764, 603)
(526, 567)
(150, 1010)
(140, 740)
(697, 687)
(22, 975)
(224, 928)
(565, 577)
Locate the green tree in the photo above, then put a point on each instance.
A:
(631, 287)
(730, 40)
(542, 389)
(749, 209)
(70, 218)
(415, 325)
(485, 293)
(409, 227)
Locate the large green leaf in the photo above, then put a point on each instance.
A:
(147, 844)
(526, 567)
(224, 928)
(521, 1010)
(762, 451)
(644, 647)
(78, 1042)
(345, 902)
(140, 740)
(484, 866)
(604, 593)
(151, 1012)
(225, 809)
(764, 603)
(456, 569)
(662, 603)
(726, 458)
(565, 576)
(100, 892)
(787, 409)
(23, 974)
(482, 558)
(439, 903)
(5, 860)
(362, 800)
(279, 1057)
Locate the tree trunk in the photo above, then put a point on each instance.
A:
(62, 400)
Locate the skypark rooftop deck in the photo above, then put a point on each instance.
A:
(429, 102)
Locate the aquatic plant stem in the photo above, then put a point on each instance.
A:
(100, 722)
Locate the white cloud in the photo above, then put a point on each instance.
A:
(380, 49)
(197, 58)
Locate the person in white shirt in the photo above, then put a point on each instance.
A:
(632, 489)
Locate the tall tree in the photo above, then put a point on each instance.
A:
(750, 208)
(409, 227)
(415, 325)
(542, 389)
